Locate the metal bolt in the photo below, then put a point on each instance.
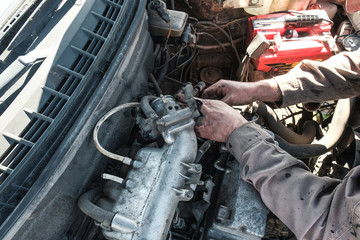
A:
(156, 4)
(189, 194)
(224, 213)
(198, 168)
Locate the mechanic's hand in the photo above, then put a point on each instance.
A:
(230, 92)
(219, 120)
(242, 93)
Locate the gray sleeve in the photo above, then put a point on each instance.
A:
(312, 81)
(312, 207)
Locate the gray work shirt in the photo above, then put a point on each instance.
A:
(312, 207)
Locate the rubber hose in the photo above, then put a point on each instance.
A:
(160, 76)
(99, 214)
(331, 138)
(147, 109)
(156, 85)
(278, 128)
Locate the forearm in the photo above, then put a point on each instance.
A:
(295, 195)
(312, 81)
(266, 91)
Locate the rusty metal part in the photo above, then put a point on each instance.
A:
(211, 74)
(242, 3)
(207, 63)
(212, 10)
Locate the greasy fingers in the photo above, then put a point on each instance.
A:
(219, 121)
(180, 97)
(231, 92)
(215, 91)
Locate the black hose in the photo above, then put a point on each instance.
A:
(160, 75)
(172, 4)
(276, 126)
(99, 214)
(156, 85)
(357, 143)
(336, 130)
(301, 150)
(147, 109)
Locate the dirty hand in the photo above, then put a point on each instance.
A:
(219, 120)
(230, 92)
(241, 93)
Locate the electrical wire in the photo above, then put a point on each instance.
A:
(235, 21)
(188, 68)
(225, 33)
(233, 45)
(178, 55)
(212, 47)
(292, 114)
(195, 20)
(174, 80)
(170, 28)
(213, 37)
(188, 60)
(329, 106)
(245, 68)
(243, 32)
(169, 60)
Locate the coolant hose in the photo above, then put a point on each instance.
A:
(146, 108)
(331, 138)
(99, 214)
(278, 128)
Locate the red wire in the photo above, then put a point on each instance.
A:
(169, 30)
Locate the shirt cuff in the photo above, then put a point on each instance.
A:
(290, 90)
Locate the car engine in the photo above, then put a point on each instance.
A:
(99, 99)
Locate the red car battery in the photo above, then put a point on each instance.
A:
(293, 36)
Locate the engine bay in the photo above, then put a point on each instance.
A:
(100, 128)
(169, 184)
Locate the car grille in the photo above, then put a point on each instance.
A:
(72, 80)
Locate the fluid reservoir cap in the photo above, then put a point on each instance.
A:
(288, 33)
(351, 43)
(160, 28)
